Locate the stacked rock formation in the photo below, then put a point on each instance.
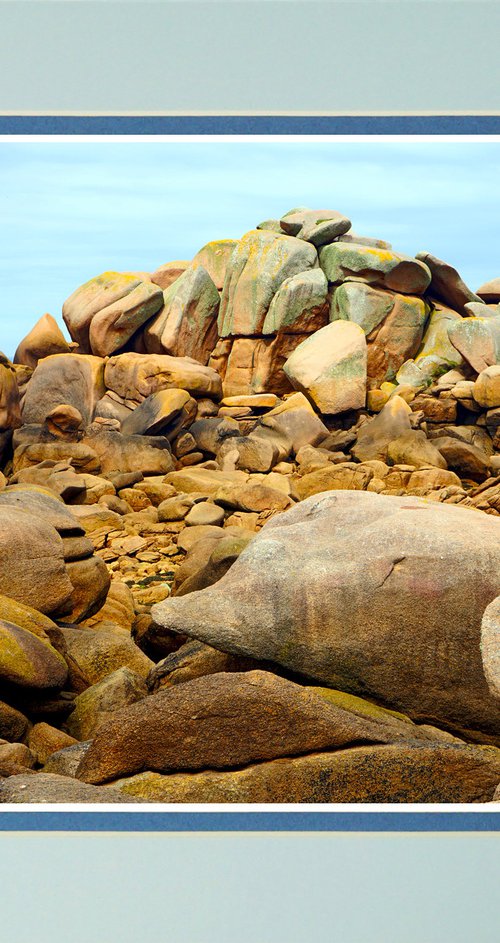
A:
(248, 538)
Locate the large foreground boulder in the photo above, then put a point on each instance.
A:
(378, 595)
(222, 721)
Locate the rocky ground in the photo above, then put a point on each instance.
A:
(249, 535)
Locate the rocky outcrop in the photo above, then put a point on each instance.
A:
(249, 536)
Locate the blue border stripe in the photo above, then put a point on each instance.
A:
(250, 821)
(256, 124)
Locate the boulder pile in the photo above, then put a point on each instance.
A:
(249, 547)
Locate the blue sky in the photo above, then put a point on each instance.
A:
(72, 209)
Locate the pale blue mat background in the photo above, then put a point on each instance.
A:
(249, 889)
(259, 55)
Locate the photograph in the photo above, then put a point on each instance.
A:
(250, 470)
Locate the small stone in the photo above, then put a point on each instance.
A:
(205, 514)
(137, 500)
(97, 704)
(17, 754)
(44, 740)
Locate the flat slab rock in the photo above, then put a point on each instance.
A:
(401, 772)
(379, 595)
(48, 787)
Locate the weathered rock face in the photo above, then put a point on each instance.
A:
(28, 618)
(13, 724)
(44, 339)
(136, 376)
(91, 581)
(299, 306)
(10, 410)
(375, 602)
(95, 296)
(256, 364)
(44, 740)
(99, 654)
(345, 477)
(221, 721)
(447, 286)
(32, 568)
(214, 258)
(463, 457)
(258, 266)
(344, 261)
(330, 367)
(402, 772)
(129, 453)
(413, 448)
(396, 339)
(490, 646)
(393, 324)
(486, 390)
(83, 573)
(70, 379)
(166, 411)
(48, 787)
(113, 326)
(478, 340)
(65, 422)
(187, 324)
(375, 435)
(27, 661)
(437, 354)
(95, 706)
